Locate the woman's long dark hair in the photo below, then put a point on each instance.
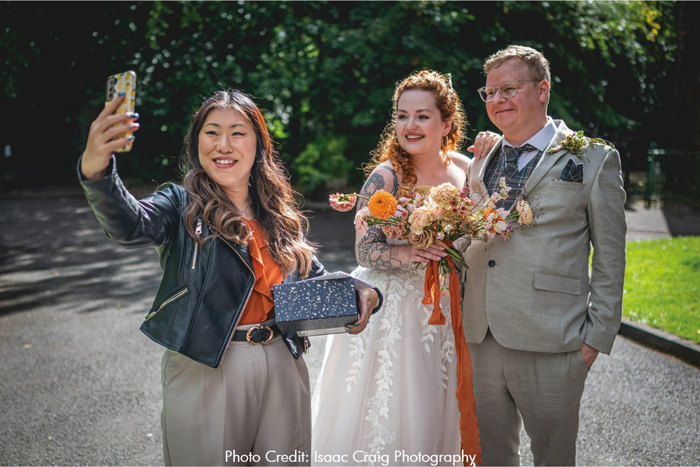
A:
(272, 195)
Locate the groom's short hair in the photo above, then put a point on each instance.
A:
(535, 61)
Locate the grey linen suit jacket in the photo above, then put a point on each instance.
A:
(535, 291)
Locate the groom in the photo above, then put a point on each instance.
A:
(534, 317)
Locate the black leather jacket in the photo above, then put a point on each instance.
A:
(204, 290)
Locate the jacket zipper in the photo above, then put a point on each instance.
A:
(198, 232)
(171, 299)
(250, 292)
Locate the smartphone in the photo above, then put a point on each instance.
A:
(126, 83)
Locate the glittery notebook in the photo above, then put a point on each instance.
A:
(316, 306)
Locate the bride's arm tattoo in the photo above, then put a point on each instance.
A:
(371, 250)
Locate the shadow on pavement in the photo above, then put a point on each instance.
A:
(682, 219)
(54, 253)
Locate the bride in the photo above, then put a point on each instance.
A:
(392, 387)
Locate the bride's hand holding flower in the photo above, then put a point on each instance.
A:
(410, 254)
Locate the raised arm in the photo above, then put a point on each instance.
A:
(371, 247)
(126, 220)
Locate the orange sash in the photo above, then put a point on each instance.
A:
(468, 423)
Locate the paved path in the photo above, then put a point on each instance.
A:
(79, 384)
(645, 224)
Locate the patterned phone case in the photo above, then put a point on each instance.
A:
(126, 83)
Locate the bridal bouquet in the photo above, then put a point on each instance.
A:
(438, 215)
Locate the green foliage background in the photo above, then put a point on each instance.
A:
(323, 71)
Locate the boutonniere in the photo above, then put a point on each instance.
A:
(575, 143)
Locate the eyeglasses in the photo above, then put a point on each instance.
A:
(507, 90)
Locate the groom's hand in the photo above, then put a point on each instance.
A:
(589, 354)
(367, 300)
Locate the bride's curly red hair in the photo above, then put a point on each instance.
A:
(450, 106)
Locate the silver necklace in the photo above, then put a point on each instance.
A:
(247, 213)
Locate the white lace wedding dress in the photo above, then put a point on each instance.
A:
(392, 387)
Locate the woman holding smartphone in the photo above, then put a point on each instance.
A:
(234, 389)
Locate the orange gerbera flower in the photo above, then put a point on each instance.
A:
(488, 212)
(382, 204)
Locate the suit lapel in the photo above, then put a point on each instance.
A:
(547, 161)
(482, 168)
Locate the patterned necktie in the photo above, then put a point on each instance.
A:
(512, 155)
(515, 178)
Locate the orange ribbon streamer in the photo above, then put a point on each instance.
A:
(468, 422)
(432, 293)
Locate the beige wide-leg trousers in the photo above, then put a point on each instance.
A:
(254, 409)
(542, 389)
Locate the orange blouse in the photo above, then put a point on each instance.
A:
(267, 273)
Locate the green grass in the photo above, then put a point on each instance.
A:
(662, 285)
